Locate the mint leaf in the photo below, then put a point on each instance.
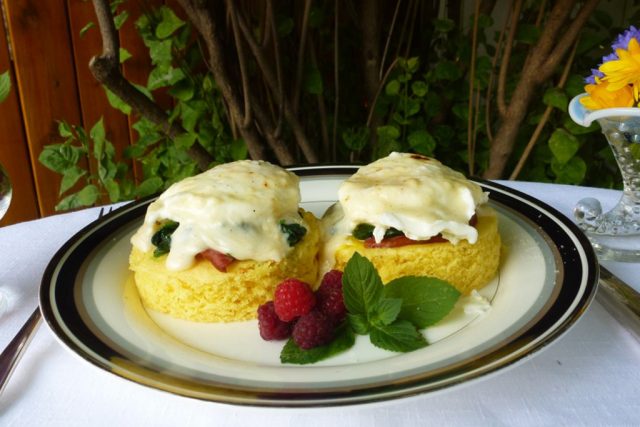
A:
(343, 341)
(358, 323)
(361, 285)
(386, 311)
(426, 300)
(400, 336)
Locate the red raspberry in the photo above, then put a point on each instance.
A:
(312, 330)
(271, 327)
(329, 296)
(293, 299)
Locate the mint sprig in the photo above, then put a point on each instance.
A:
(392, 315)
(343, 340)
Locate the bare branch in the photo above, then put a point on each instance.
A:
(301, 47)
(246, 120)
(506, 56)
(545, 118)
(270, 79)
(106, 70)
(388, 42)
(489, 93)
(569, 36)
(336, 77)
(471, 151)
(276, 53)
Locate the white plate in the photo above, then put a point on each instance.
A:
(547, 278)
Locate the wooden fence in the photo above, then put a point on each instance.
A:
(42, 46)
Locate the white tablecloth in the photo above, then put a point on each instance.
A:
(590, 376)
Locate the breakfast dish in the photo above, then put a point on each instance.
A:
(411, 215)
(213, 247)
(90, 303)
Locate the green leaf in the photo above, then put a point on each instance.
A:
(575, 129)
(388, 132)
(149, 186)
(422, 142)
(358, 323)
(527, 33)
(355, 139)
(59, 157)
(120, 19)
(386, 311)
(117, 103)
(184, 141)
(86, 28)
(426, 300)
(444, 25)
(160, 53)
(419, 88)
(190, 113)
(563, 145)
(313, 81)
(412, 64)
(571, 172)
(124, 54)
(169, 23)
(98, 134)
(447, 70)
(64, 129)
(399, 336)
(183, 90)
(69, 177)
(392, 88)
(161, 239)
(113, 189)
(294, 232)
(85, 197)
(160, 77)
(343, 340)
(361, 285)
(5, 85)
(575, 85)
(555, 97)
(238, 149)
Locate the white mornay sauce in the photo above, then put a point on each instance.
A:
(416, 195)
(234, 208)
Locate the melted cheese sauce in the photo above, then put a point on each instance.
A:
(234, 208)
(417, 195)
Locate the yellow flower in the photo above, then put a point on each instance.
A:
(601, 96)
(625, 70)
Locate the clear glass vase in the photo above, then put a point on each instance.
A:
(615, 234)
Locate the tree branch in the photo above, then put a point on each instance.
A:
(106, 70)
(203, 20)
(270, 79)
(471, 149)
(531, 76)
(545, 118)
(506, 56)
(301, 47)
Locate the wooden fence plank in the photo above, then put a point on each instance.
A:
(14, 155)
(93, 100)
(45, 73)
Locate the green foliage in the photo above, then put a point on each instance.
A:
(179, 70)
(422, 105)
(5, 85)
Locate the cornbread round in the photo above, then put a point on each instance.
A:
(466, 266)
(204, 294)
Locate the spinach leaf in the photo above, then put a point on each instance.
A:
(162, 238)
(295, 232)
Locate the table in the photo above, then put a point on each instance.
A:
(590, 376)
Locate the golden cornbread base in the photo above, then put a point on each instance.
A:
(464, 265)
(204, 294)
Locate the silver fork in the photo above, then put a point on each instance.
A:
(12, 354)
